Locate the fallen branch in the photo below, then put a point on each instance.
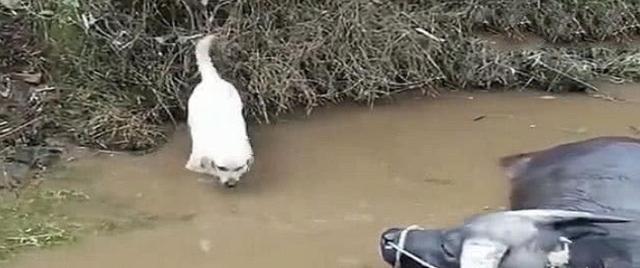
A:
(20, 127)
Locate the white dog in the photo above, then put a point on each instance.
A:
(219, 142)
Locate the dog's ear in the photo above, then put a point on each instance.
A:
(212, 164)
(205, 161)
(249, 163)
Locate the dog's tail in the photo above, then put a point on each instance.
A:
(203, 60)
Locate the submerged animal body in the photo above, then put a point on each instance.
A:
(219, 142)
(600, 175)
(574, 205)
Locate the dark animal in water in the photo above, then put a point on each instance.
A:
(574, 205)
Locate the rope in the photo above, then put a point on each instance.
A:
(400, 249)
(556, 259)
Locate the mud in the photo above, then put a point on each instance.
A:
(324, 187)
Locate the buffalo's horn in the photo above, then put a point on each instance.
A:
(548, 216)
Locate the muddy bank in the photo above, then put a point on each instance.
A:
(324, 187)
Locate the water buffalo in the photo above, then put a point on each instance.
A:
(572, 205)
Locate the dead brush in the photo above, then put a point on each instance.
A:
(123, 69)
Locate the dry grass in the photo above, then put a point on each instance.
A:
(122, 69)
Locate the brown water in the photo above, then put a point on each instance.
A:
(323, 188)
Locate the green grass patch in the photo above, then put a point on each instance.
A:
(31, 221)
(41, 218)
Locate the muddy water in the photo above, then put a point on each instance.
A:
(324, 187)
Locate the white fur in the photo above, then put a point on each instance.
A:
(220, 145)
(560, 258)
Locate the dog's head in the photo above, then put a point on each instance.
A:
(228, 172)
